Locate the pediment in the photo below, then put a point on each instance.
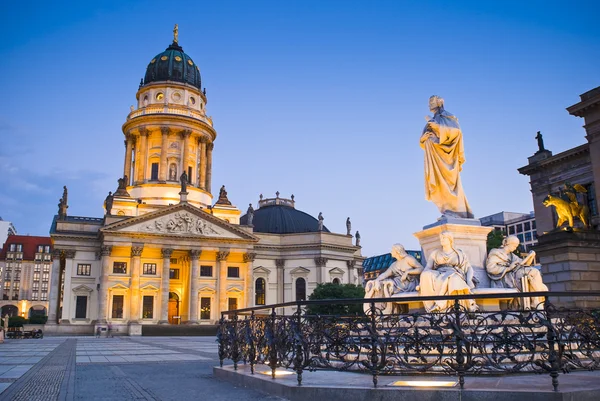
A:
(336, 270)
(118, 286)
(149, 287)
(182, 220)
(82, 288)
(300, 270)
(234, 288)
(261, 270)
(207, 288)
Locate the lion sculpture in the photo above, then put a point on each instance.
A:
(568, 210)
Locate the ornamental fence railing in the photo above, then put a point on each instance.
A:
(456, 342)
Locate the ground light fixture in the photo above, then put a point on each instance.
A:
(278, 372)
(423, 383)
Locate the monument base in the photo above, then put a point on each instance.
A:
(571, 262)
(469, 236)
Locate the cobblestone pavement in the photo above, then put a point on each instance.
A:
(120, 368)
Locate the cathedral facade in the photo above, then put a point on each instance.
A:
(164, 253)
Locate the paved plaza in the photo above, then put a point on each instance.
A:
(119, 368)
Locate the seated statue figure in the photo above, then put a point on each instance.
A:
(401, 276)
(448, 272)
(507, 270)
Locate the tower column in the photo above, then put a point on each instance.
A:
(128, 156)
(134, 288)
(222, 280)
(202, 181)
(164, 286)
(249, 260)
(68, 272)
(53, 301)
(142, 155)
(162, 170)
(186, 152)
(103, 296)
(195, 256)
(209, 149)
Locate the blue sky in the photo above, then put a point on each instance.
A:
(322, 99)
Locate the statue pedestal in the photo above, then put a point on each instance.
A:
(469, 235)
(183, 197)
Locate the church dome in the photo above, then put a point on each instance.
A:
(279, 216)
(173, 65)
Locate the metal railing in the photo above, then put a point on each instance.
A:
(455, 342)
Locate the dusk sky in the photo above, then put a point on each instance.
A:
(321, 99)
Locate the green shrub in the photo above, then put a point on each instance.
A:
(38, 319)
(336, 291)
(16, 321)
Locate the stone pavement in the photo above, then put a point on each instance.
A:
(120, 368)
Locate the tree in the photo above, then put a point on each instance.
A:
(336, 291)
(494, 239)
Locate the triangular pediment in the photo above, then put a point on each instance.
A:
(207, 288)
(119, 286)
(300, 270)
(149, 287)
(181, 220)
(234, 288)
(261, 270)
(336, 270)
(82, 288)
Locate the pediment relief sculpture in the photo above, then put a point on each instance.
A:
(182, 223)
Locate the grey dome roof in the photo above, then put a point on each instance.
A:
(282, 219)
(173, 65)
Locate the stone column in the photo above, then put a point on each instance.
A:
(142, 155)
(222, 281)
(163, 169)
(195, 256)
(320, 262)
(202, 181)
(249, 260)
(351, 264)
(185, 134)
(209, 148)
(280, 264)
(134, 288)
(164, 286)
(53, 301)
(128, 150)
(68, 272)
(103, 296)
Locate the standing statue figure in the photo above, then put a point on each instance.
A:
(250, 214)
(176, 34)
(444, 156)
(348, 226)
(357, 236)
(63, 205)
(507, 270)
(448, 272)
(65, 195)
(108, 203)
(321, 218)
(183, 178)
(540, 141)
(401, 276)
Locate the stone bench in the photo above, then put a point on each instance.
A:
(489, 304)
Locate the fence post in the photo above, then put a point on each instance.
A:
(553, 358)
(299, 339)
(251, 337)
(235, 351)
(374, 358)
(272, 345)
(221, 340)
(460, 358)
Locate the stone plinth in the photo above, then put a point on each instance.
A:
(469, 236)
(571, 262)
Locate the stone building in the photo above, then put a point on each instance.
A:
(523, 225)
(164, 253)
(25, 271)
(570, 258)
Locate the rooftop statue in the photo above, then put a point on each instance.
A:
(320, 218)
(448, 272)
(108, 202)
(568, 207)
(348, 226)
(507, 270)
(444, 156)
(250, 214)
(183, 179)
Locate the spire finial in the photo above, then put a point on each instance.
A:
(176, 34)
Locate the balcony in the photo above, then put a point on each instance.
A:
(170, 109)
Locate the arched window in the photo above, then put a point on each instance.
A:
(300, 289)
(259, 291)
(336, 281)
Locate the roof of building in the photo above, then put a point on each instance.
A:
(282, 219)
(382, 262)
(29, 243)
(173, 65)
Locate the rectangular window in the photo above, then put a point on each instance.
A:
(519, 228)
(189, 174)
(149, 268)
(528, 236)
(17, 276)
(84, 269)
(36, 286)
(511, 230)
(204, 308)
(154, 172)
(591, 199)
(47, 249)
(534, 235)
(45, 276)
(120, 268)
(36, 276)
(34, 296)
(206, 271)
(174, 274)
(233, 271)
(40, 248)
(16, 285)
(527, 226)
(47, 257)
(37, 268)
(44, 296)
(520, 236)
(47, 268)
(148, 307)
(15, 296)
(81, 307)
(44, 286)
(533, 225)
(7, 276)
(173, 261)
(19, 248)
(232, 304)
(13, 247)
(117, 306)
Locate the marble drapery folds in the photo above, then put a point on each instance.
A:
(444, 156)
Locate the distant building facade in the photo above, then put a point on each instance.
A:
(375, 265)
(25, 272)
(522, 225)
(6, 228)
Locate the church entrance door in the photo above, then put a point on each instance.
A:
(174, 317)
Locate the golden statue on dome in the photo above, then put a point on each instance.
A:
(176, 34)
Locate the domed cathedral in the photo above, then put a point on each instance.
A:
(164, 253)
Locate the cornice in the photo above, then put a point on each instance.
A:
(258, 247)
(160, 120)
(556, 159)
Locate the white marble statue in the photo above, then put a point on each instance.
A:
(448, 272)
(507, 270)
(401, 276)
(444, 156)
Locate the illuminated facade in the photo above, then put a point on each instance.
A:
(162, 255)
